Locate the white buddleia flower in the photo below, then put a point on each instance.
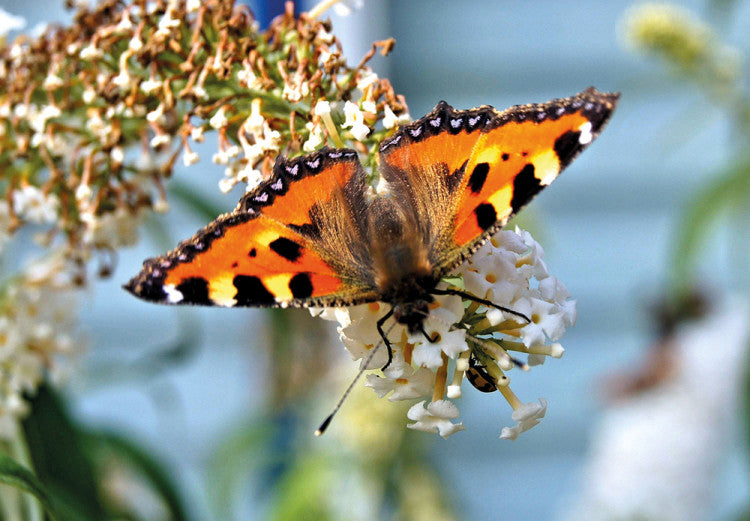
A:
(435, 417)
(429, 363)
(527, 415)
(355, 121)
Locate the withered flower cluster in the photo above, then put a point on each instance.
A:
(94, 116)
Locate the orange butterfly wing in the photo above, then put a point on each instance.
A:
(464, 174)
(294, 241)
(307, 235)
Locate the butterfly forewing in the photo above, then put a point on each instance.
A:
(295, 240)
(500, 161)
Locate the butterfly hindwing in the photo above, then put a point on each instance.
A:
(479, 167)
(293, 241)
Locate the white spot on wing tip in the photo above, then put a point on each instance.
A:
(586, 135)
(173, 294)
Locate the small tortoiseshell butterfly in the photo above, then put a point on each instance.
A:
(311, 236)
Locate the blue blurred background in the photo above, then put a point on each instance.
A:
(607, 227)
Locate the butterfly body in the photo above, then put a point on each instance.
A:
(311, 235)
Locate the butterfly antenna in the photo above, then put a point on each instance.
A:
(482, 342)
(484, 302)
(363, 368)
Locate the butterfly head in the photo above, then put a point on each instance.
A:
(411, 298)
(412, 314)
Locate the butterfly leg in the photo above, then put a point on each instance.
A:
(474, 298)
(387, 342)
(428, 337)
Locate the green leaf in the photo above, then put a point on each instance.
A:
(245, 450)
(18, 476)
(140, 460)
(730, 188)
(744, 515)
(305, 490)
(61, 463)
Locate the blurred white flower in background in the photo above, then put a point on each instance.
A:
(38, 334)
(656, 456)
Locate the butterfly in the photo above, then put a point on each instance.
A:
(311, 235)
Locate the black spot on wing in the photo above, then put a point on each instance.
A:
(567, 147)
(286, 248)
(300, 285)
(453, 179)
(194, 290)
(486, 215)
(525, 187)
(478, 177)
(252, 253)
(251, 291)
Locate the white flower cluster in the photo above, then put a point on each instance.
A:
(36, 330)
(502, 271)
(359, 117)
(258, 141)
(33, 205)
(509, 271)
